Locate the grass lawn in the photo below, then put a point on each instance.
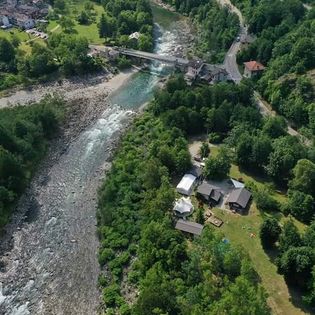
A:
(22, 36)
(239, 229)
(88, 31)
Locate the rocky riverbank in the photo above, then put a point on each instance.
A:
(54, 224)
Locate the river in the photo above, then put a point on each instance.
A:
(52, 267)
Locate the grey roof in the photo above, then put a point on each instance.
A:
(196, 171)
(209, 190)
(215, 195)
(190, 227)
(241, 196)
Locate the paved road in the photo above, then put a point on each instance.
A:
(232, 67)
(230, 58)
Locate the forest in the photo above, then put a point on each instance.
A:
(217, 27)
(285, 44)
(25, 133)
(138, 193)
(140, 249)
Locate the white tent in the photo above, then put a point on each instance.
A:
(186, 185)
(183, 207)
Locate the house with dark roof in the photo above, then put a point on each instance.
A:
(189, 227)
(209, 193)
(196, 171)
(252, 68)
(239, 199)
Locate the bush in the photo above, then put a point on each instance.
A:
(111, 295)
(265, 202)
(105, 255)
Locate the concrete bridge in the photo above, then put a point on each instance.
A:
(180, 62)
(154, 57)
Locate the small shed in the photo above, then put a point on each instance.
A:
(209, 192)
(186, 185)
(239, 199)
(183, 207)
(189, 227)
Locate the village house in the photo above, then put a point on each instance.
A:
(193, 70)
(239, 199)
(197, 172)
(5, 22)
(186, 185)
(252, 68)
(21, 15)
(189, 227)
(209, 193)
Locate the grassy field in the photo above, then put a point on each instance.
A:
(88, 31)
(240, 230)
(244, 231)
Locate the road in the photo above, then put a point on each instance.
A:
(231, 66)
(230, 63)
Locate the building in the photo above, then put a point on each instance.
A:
(186, 185)
(189, 227)
(212, 74)
(239, 199)
(193, 70)
(5, 22)
(134, 36)
(23, 21)
(209, 193)
(20, 14)
(183, 207)
(196, 171)
(252, 69)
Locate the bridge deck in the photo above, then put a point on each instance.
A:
(152, 56)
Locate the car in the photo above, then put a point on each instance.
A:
(238, 38)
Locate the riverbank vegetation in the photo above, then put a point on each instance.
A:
(148, 267)
(24, 136)
(286, 45)
(217, 27)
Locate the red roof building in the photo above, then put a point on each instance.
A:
(252, 68)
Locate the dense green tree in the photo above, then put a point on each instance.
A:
(264, 200)
(275, 127)
(290, 237)
(83, 18)
(286, 152)
(218, 167)
(300, 205)
(7, 50)
(304, 177)
(204, 150)
(106, 26)
(269, 232)
(67, 25)
(296, 265)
